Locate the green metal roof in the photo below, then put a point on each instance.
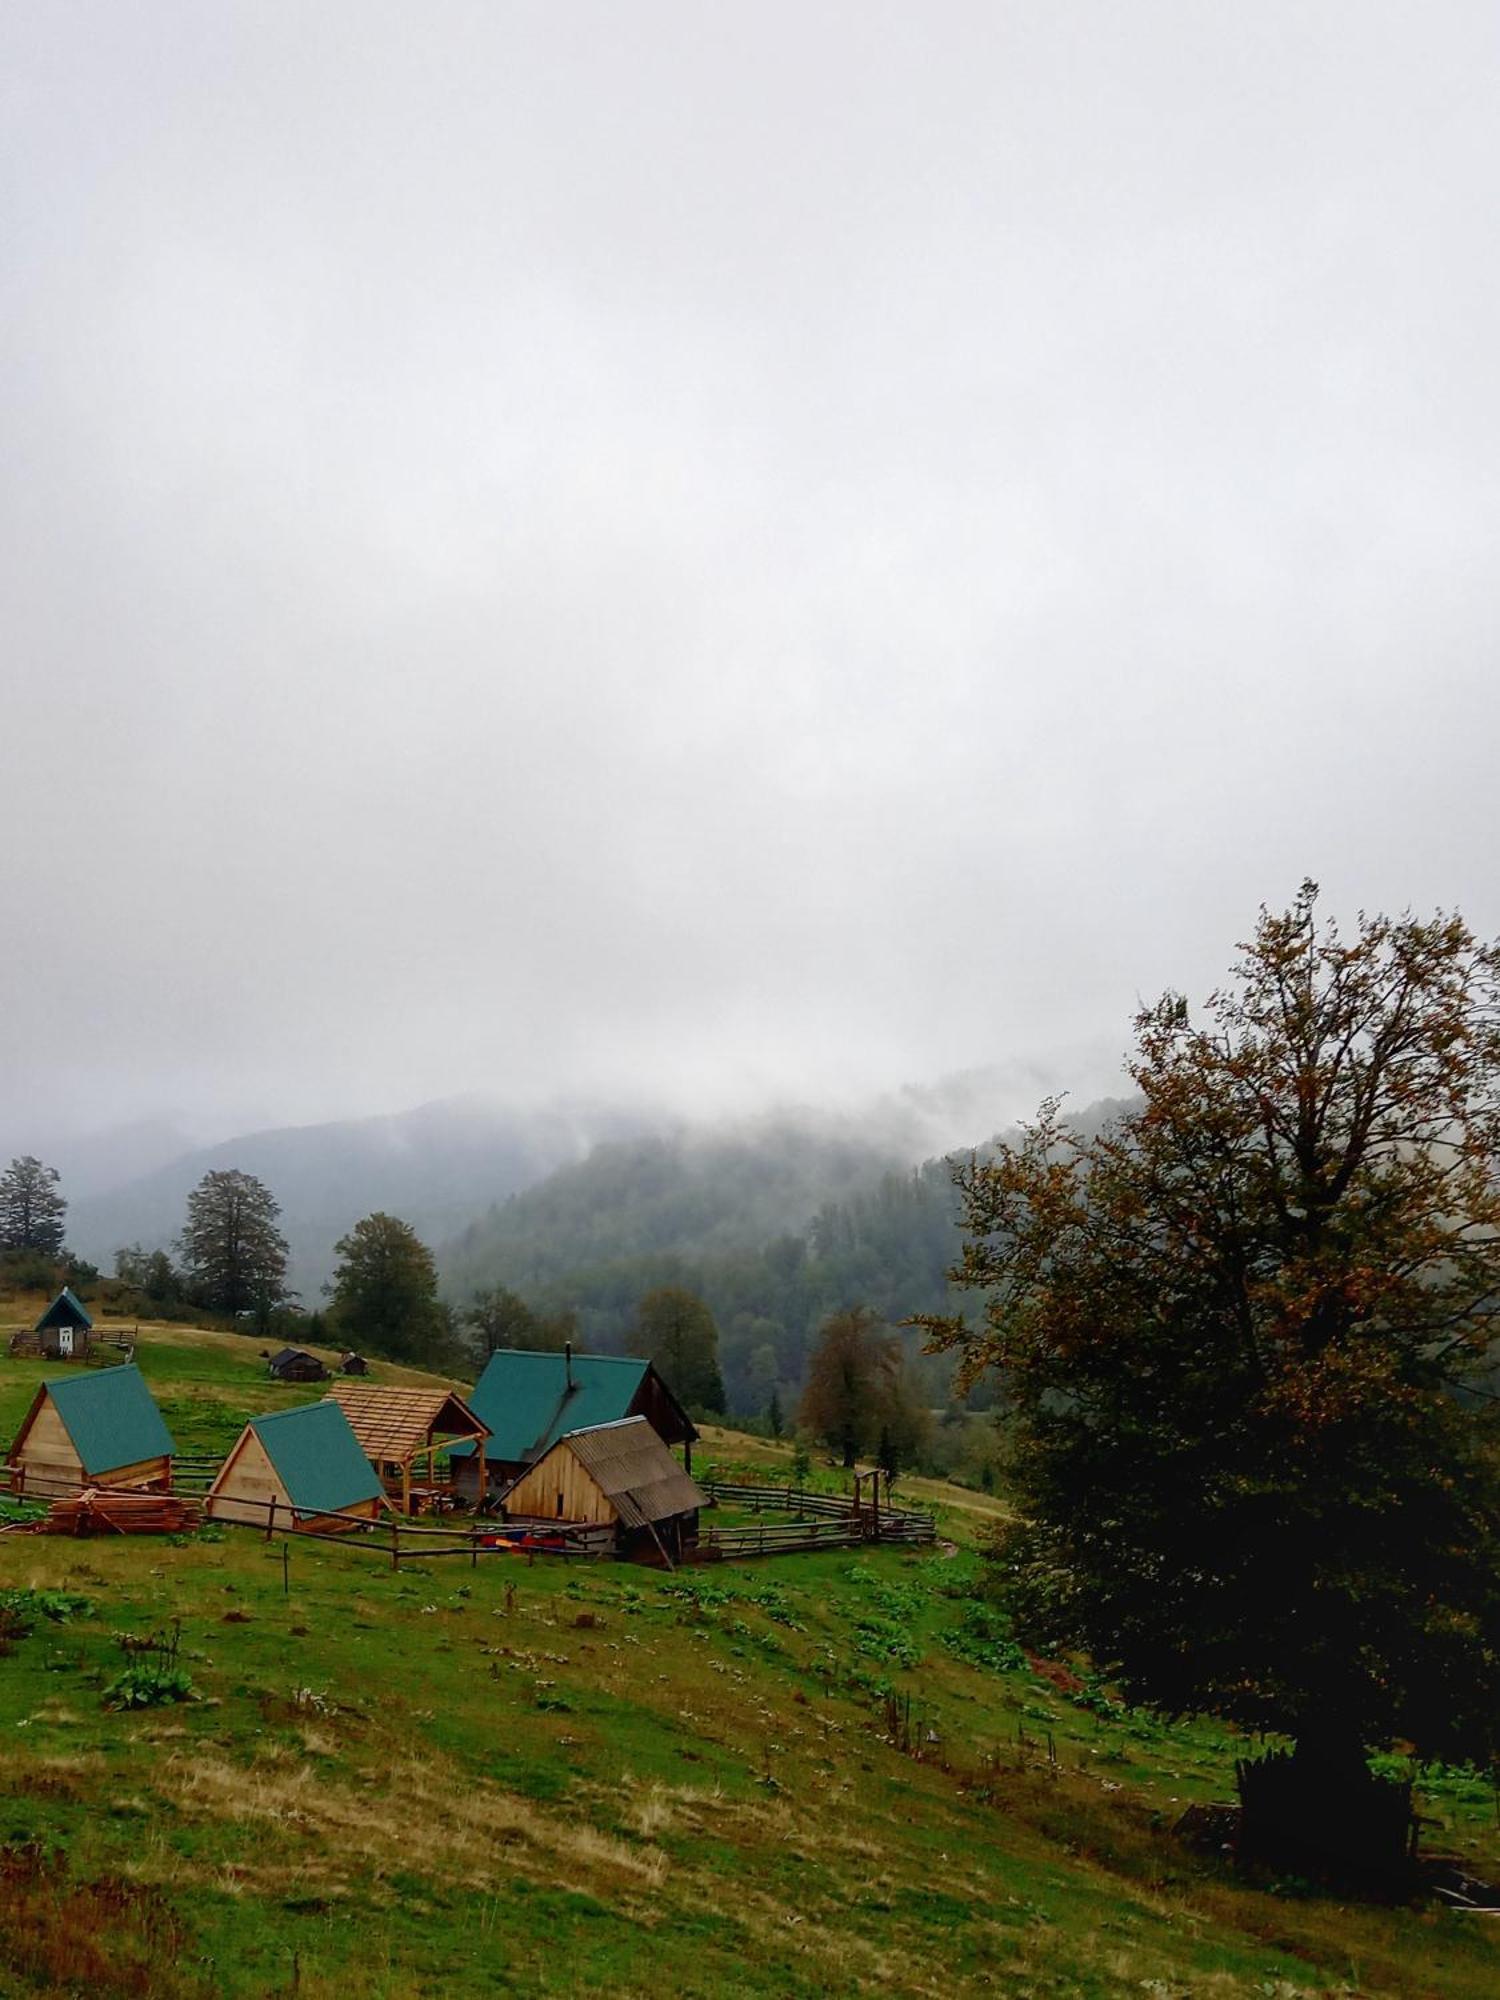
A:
(317, 1458)
(111, 1417)
(526, 1401)
(67, 1309)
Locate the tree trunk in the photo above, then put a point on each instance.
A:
(1319, 1811)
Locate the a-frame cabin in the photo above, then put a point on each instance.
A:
(100, 1427)
(301, 1469)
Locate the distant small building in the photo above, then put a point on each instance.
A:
(100, 1427)
(65, 1329)
(354, 1364)
(295, 1364)
(303, 1467)
(619, 1475)
(531, 1399)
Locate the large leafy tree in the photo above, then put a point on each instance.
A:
(32, 1211)
(232, 1252)
(1235, 1329)
(851, 1380)
(385, 1291)
(675, 1330)
(498, 1317)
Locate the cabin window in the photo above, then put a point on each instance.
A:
(559, 1506)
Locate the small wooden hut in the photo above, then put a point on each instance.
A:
(618, 1475)
(303, 1467)
(98, 1428)
(353, 1364)
(295, 1364)
(65, 1329)
(399, 1429)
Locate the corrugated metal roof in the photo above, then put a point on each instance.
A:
(67, 1309)
(629, 1462)
(525, 1398)
(317, 1458)
(395, 1424)
(111, 1417)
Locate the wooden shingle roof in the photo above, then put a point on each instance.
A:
(629, 1462)
(395, 1424)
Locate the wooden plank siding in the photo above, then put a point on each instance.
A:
(560, 1489)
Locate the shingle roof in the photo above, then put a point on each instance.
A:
(111, 1417)
(67, 1309)
(394, 1424)
(526, 1401)
(317, 1458)
(629, 1462)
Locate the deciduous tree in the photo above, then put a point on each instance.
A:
(385, 1291)
(232, 1251)
(675, 1329)
(1235, 1327)
(849, 1381)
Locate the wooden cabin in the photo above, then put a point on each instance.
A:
(295, 1364)
(353, 1364)
(619, 1475)
(403, 1431)
(301, 1469)
(530, 1400)
(65, 1329)
(100, 1427)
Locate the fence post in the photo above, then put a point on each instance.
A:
(395, 1544)
(271, 1518)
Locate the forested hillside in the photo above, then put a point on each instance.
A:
(774, 1230)
(775, 1226)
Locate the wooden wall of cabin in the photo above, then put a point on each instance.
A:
(246, 1486)
(558, 1488)
(47, 1453)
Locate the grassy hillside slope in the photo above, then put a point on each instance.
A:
(519, 1779)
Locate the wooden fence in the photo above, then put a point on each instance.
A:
(823, 1521)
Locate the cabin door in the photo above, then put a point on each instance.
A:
(65, 1342)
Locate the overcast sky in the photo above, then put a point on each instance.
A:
(729, 551)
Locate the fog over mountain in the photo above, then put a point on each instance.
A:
(442, 1166)
(715, 558)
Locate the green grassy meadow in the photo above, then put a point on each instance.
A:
(536, 1778)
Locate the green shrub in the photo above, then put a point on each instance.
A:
(148, 1686)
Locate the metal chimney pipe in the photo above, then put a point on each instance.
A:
(568, 1361)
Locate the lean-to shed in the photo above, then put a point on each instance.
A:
(65, 1328)
(530, 1400)
(618, 1475)
(97, 1428)
(402, 1432)
(300, 1468)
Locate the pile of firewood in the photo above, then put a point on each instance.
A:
(109, 1511)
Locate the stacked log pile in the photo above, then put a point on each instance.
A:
(108, 1511)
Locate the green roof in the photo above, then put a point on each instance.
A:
(317, 1458)
(67, 1309)
(526, 1401)
(111, 1418)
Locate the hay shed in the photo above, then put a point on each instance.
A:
(403, 1431)
(619, 1475)
(97, 1428)
(65, 1330)
(303, 1467)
